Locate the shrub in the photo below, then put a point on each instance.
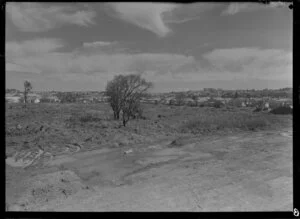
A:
(89, 118)
(274, 104)
(227, 121)
(282, 110)
(68, 97)
(235, 102)
(218, 104)
(79, 119)
(201, 104)
(45, 100)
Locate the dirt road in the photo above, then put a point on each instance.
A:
(250, 171)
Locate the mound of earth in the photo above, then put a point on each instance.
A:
(282, 110)
(46, 188)
(24, 158)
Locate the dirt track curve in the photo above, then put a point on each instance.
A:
(242, 172)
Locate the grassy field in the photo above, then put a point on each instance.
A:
(54, 126)
(63, 148)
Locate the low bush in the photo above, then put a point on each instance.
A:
(228, 121)
(274, 104)
(282, 110)
(89, 118)
(235, 102)
(45, 100)
(86, 118)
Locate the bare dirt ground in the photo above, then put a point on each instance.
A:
(157, 168)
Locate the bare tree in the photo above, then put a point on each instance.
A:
(27, 89)
(114, 92)
(131, 109)
(125, 93)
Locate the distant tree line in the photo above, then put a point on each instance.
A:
(68, 97)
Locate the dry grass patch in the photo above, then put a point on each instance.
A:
(233, 121)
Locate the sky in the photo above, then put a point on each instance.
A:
(82, 46)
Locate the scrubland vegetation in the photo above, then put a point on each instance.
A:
(93, 125)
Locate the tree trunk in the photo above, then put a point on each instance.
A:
(116, 115)
(25, 97)
(124, 120)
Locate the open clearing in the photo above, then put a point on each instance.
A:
(73, 157)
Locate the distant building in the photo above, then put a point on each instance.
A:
(202, 99)
(33, 98)
(52, 99)
(267, 105)
(189, 101)
(12, 99)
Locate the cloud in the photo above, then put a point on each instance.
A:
(99, 65)
(155, 16)
(145, 15)
(234, 8)
(97, 44)
(39, 17)
(160, 63)
(20, 68)
(279, 4)
(187, 12)
(45, 59)
(252, 62)
(32, 47)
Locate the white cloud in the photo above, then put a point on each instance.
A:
(234, 8)
(252, 62)
(97, 44)
(220, 64)
(32, 47)
(20, 68)
(155, 17)
(38, 17)
(46, 60)
(280, 4)
(145, 15)
(188, 12)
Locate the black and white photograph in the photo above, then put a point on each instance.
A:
(149, 107)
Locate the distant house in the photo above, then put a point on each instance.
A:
(56, 99)
(166, 100)
(152, 100)
(189, 100)
(236, 102)
(51, 99)
(267, 105)
(33, 98)
(143, 100)
(13, 99)
(202, 99)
